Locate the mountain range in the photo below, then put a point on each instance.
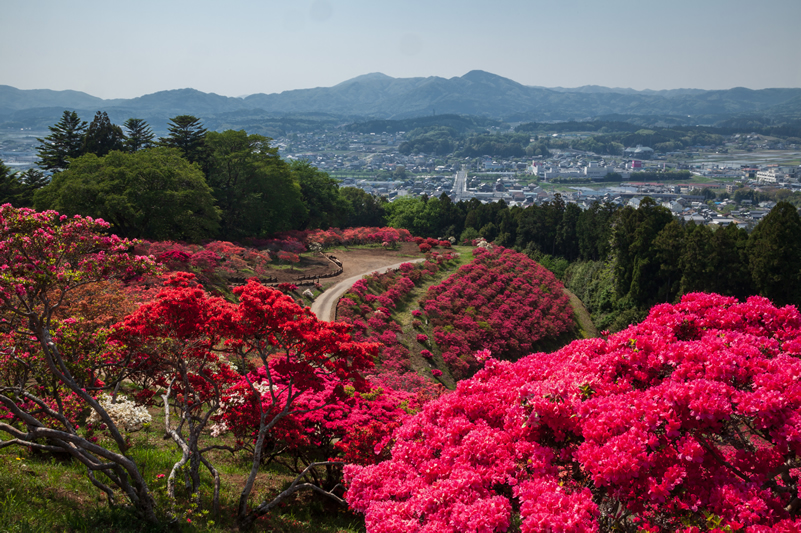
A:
(377, 96)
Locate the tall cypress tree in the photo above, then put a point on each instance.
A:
(64, 142)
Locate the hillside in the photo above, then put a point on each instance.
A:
(378, 96)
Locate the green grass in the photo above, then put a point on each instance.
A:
(43, 494)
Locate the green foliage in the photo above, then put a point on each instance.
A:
(11, 189)
(437, 140)
(254, 187)
(102, 136)
(320, 194)
(363, 209)
(139, 137)
(496, 145)
(153, 194)
(774, 250)
(65, 142)
(187, 134)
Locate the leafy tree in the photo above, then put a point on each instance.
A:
(774, 252)
(151, 194)
(365, 209)
(188, 135)
(64, 142)
(320, 194)
(409, 212)
(254, 187)
(139, 136)
(102, 136)
(51, 373)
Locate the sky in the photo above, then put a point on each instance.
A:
(115, 49)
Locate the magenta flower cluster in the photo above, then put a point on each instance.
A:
(689, 421)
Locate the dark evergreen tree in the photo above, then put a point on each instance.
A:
(667, 255)
(254, 187)
(64, 142)
(102, 136)
(774, 255)
(189, 136)
(139, 136)
(594, 231)
(636, 267)
(697, 271)
(10, 186)
(728, 259)
(31, 180)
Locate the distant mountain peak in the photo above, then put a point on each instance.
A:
(373, 76)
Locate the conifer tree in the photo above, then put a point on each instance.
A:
(64, 142)
(189, 136)
(774, 250)
(140, 136)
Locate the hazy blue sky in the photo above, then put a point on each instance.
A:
(114, 49)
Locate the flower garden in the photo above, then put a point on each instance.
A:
(689, 421)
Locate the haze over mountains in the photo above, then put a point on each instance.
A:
(376, 95)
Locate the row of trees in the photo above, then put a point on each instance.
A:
(654, 257)
(190, 185)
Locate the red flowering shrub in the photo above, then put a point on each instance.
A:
(422, 337)
(425, 247)
(502, 301)
(688, 421)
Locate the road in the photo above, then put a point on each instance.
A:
(326, 304)
(460, 185)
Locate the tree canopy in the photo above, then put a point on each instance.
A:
(152, 194)
(254, 187)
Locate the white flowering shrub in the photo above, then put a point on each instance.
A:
(124, 412)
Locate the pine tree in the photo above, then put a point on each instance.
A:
(64, 142)
(189, 136)
(140, 136)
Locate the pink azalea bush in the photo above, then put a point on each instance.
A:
(689, 421)
(502, 301)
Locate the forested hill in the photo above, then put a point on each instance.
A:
(379, 96)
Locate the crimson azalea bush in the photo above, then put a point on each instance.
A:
(688, 421)
(502, 301)
(170, 346)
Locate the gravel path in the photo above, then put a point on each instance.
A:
(326, 304)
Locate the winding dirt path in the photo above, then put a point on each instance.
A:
(326, 304)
